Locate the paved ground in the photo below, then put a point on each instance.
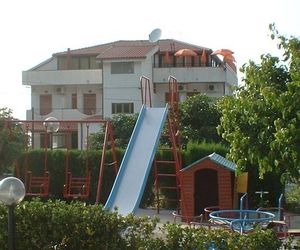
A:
(166, 215)
(293, 220)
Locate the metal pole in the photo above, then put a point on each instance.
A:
(11, 228)
(32, 128)
(280, 214)
(242, 201)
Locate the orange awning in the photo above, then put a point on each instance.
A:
(167, 59)
(226, 53)
(223, 52)
(185, 52)
(203, 58)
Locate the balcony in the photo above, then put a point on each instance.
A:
(62, 77)
(65, 114)
(195, 74)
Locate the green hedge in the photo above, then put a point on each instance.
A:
(77, 159)
(195, 151)
(192, 153)
(58, 225)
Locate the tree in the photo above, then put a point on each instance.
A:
(199, 118)
(123, 125)
(11, 141)
(261, 121)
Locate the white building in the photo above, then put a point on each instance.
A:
(103, 80)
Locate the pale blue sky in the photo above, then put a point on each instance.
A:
(32, 30)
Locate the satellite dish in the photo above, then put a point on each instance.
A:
(155, 35)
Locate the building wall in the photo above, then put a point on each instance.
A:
(124, 88)
(62, 100)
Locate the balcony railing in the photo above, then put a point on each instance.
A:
(64, 114)
(62, 77)
(192, 74)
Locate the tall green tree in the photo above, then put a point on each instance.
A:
(11, 141)
(261, 121)
(199, 118)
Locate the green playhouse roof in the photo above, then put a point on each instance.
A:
(217, 159)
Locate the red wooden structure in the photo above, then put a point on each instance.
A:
(167, 171)
(36, 184)
(78, 187)
(75, 187)
(208, 182)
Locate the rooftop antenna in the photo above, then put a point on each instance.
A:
(155, 35)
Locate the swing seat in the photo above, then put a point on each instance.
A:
(77, 187)
(38, 185)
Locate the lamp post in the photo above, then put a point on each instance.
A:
(12, 192)
(52, 126)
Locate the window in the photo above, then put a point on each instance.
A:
(89, 104)
(45, 104)
(82, 62)
(75, 63)
(179, 61)
(62, 63)
(94, 64)
(187, 61)
(74, 101)
(122, 67)
(125, 108)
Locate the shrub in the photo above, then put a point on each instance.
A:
(59, 225)
(200, 238)
(195, 151)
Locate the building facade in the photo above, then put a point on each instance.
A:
(100, 81)
(103, 80)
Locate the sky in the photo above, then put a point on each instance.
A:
(32, 30)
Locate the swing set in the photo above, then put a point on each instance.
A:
(64, 135)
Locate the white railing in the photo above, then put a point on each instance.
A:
(63, 114)
(195, 74)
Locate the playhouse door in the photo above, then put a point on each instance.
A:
(206, 190)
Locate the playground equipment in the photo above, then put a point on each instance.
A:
(244, 221)
(71, 132)
(37, 185)
(77, 187)
(135, 167)
(130, 182)
(168, 170)
(241, 221)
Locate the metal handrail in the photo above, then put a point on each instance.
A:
(242, 201)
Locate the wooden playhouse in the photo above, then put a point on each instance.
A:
(207, 182)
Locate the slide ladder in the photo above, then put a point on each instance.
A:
(166, 171)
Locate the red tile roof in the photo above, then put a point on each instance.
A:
(126, 51)
(131, 49)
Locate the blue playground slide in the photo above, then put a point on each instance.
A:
(130, 182)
